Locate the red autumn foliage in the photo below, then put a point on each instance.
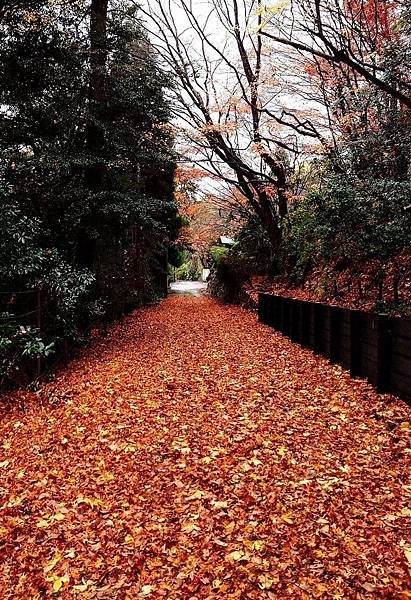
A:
(186, 180)
(377, 19)
(195, 453)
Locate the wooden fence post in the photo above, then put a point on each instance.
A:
(295, 320)
(277, 313)
(355, 342)
(335, 332)
(270, 311)
(305, 323)
(286, 317)
(280, 301)
(384, 353)
(318, 328)
(262, 307)
(270, 303)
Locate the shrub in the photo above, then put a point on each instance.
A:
(352, 220)
(218, 253)
(17, 344)
(228, 277)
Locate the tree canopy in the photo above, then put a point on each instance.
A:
(86, 166)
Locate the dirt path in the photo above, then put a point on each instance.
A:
(194, 453)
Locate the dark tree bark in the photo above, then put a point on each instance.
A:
(97, 96)
(94, 173)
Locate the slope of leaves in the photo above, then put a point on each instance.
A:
(352, 287)
(195, 453)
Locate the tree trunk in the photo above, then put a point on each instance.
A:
(95, 137)
(270, 221)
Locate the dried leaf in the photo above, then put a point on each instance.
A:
(146, 590)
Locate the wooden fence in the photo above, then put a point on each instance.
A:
(376, 347)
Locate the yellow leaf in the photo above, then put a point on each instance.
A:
(82, 587)
(198, 494)
(265, 582)
(58, 583)
(190, 527)
(219, 504)
(282, 451)
(246, 466)
(52, 563)
(43, 523)
(90, 501)
(217, 583)
(258, 545)
(147, 589)
(407, 552)
(236, 555)
(57, 517)
(105, 477)
(287, 518)
(230, 527)
(129, 539)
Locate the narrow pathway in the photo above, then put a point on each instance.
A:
(193, 288)
(195, 453)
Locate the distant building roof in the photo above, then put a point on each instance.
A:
(226, 241)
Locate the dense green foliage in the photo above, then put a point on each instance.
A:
(351, 221)
(218, 253)
(87, 225)
(183, 264)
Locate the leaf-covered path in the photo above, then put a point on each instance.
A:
(194, 453)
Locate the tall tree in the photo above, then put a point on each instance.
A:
(352, 33)
(97, 95)
(222, 97)
(84, 135)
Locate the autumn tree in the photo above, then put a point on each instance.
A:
(356, 34)
(220, 100)
(358, 209)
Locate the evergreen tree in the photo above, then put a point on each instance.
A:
(86, 169)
